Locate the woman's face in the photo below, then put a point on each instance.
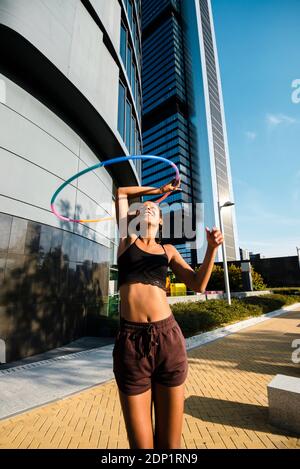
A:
(149, 213)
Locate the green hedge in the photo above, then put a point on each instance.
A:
(202, 316)
(286, 290)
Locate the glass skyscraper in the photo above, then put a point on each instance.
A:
(183, 118)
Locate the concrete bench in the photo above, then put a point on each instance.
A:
(284, 402)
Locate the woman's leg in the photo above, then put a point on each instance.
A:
(168, 406)
(138, 419)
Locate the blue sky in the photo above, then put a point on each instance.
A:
(259, 53)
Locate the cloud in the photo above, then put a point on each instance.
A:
(251, 135)
(277, 119)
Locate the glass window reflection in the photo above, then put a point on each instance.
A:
(5, 227)
(18, 236)
(128, 121)
(123, 44)
(121, 110)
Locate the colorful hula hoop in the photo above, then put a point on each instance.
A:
(106, 163)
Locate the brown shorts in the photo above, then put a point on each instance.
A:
(149, 351)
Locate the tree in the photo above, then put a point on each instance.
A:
(216, 281)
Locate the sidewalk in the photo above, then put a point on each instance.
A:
(225, 399)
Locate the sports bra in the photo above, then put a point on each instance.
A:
(137, 265)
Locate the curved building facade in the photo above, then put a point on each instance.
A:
(70, 96)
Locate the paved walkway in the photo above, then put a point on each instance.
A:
(76, 346)
(225, 399)
(35, 384)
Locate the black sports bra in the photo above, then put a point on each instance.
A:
(137, 265)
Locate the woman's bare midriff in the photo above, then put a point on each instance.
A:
(141, 302)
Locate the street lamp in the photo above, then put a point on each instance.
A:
(226, 277)
(298, 254)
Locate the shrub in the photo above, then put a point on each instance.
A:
(216, 281)
(258, 281)
(270, 302)
(200, 316)
(286, 290)
(235, 277)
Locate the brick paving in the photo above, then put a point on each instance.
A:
(225, 399)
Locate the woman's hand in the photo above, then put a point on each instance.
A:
(214, 237)
(171, 186)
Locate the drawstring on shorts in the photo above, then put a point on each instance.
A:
(145, 339)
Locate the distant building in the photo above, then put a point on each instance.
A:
(255, 256)
(244, 254)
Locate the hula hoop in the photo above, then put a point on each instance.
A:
(98, 165)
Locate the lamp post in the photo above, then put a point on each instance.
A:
(298, 254)
(226, 277)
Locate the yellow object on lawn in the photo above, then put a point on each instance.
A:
(178, 289)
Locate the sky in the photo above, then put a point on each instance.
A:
(258, 45)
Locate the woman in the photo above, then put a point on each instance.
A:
(149, 355)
